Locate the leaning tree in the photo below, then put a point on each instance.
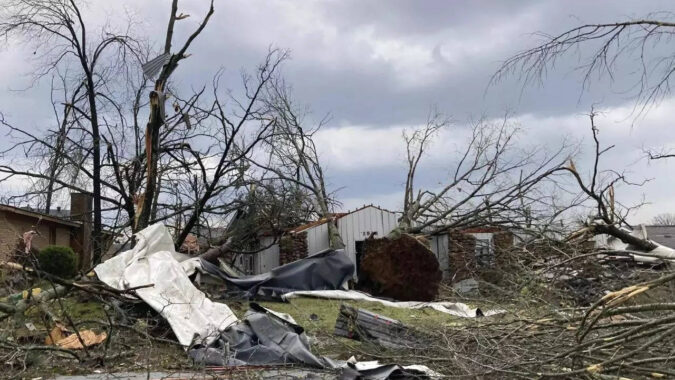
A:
(604, 49)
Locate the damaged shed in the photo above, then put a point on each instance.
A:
(354, 227)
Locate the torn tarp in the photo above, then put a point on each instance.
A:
(264, 337)
(261, 338)
(152, 261)
(327, 270)
(453, 308)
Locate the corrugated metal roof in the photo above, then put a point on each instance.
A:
(152, 67)
(336, 216)
(664, 235)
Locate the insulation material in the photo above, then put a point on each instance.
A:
(402, 268)
(153, 261)
(62, 337)
(453, 308)
(89, 338)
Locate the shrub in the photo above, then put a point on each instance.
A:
(58, 260)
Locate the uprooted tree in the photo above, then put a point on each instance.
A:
(492, 182)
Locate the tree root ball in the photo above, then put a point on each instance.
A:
(401, 268)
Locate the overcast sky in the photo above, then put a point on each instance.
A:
(378, 66)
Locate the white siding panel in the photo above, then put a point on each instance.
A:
(353, 227)
(267, 259)
(439, 246)
(317, 239)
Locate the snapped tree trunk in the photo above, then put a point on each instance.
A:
(624, 236)
(214, 253)
(334, 238)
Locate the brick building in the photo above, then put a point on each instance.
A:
(469, 252)
(71, 228)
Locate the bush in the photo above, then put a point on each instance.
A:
(58, 260)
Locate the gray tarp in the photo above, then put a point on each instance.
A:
(327, 270)
(264, 337)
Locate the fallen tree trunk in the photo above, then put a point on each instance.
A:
(214, 253)
(624, 236)
(399, 267)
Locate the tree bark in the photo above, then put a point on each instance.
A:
(214, 253)
(624, 236)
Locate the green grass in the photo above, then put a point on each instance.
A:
(318, 316)
(301, 309)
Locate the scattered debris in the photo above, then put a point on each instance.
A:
(466, 287)
(190, 245)
(153, 67)
(64, 338)
(28, 239)
(189, 312)
(401, 268)
(364, 325)
(265, 337)
(453, 308)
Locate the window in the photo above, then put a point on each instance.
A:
(52, 235)
(485, 253)
(245, 263)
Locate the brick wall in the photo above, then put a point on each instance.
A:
(462, 253)
(461, 250)
(292, 247)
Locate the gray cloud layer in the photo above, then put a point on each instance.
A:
(380, 65)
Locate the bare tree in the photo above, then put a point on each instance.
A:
(236, 140)
(157, 116)
(492, 182)
(189, 162)
(665, 219)
(609, 214)
(609, 45)
(58, 31)
(293, 156)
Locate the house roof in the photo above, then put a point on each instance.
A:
(664, 235)
(335, 216)
(39, 215)
(56, 212)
